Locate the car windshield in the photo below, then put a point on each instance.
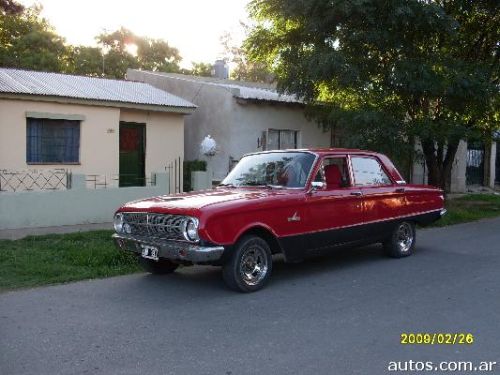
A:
(275, 169)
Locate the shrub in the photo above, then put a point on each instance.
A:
(190, 166)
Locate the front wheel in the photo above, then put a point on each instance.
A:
(249, 266)
(402, 240)
(160, 267)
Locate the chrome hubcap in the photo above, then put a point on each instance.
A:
(404, 237)
(253, 265)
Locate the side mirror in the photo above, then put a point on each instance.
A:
(317, 185)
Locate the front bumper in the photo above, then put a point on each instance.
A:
(173, 250)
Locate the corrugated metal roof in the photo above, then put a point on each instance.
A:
(239, 89)
(26, 82)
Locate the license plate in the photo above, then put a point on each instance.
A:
(149, 252)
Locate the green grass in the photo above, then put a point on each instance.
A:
(51, 259)
(470, 207)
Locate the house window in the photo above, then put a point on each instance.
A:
(51, 141)
(281, 139)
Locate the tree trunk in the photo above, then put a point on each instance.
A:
(439, 160)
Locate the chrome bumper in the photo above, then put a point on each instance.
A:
(174, 250)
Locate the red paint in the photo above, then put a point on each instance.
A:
(226, 213)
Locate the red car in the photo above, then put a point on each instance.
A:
(294, 202)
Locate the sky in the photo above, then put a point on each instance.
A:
(194, 27)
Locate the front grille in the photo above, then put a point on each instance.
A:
(166, 227)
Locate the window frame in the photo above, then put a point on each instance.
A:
(382, 166)
(297, 138)
(78, 162)
(321, 170)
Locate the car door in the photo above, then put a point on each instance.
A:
(383, 199)
(334, 209)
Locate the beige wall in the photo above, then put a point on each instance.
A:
(164, 137)
(99, 136)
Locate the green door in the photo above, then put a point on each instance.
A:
(132, 154)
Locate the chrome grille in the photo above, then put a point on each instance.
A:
(168, 227)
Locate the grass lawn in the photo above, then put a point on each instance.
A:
(41, 260)
(470, 207)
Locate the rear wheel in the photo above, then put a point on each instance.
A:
(160, 267)
(402, 241)
(249, 266)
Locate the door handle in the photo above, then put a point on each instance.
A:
(356, 193)
(400, 190)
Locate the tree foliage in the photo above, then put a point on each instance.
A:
(127, 50)
(244, 69)
(201, 69)
(10, 7)
(388, 72)
(28, 41)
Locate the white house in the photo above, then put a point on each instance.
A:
(242, 117)
(89, 126)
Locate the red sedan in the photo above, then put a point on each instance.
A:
(295, 202)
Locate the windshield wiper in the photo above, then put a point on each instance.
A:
(253, 183)
(228, 185)
(266, 185)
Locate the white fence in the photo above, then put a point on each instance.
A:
(75, 205)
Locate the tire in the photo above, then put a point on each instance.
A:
(162, 267)
(249, 267)
(401, 243)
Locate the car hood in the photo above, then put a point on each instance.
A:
(198, 200)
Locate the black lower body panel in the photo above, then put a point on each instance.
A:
(296, 248)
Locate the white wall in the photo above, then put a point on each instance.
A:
(250, 119)
(70, 207)
(234, 124)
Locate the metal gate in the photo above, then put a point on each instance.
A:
(475, 163)
(174, 171)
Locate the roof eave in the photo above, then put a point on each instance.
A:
(98, 103)
(242, 100)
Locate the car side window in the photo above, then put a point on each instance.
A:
(368, 172)
(334, 173)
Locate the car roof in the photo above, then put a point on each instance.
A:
(321, 151)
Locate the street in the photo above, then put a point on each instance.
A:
(341, 314)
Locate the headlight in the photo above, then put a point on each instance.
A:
(190, 231)
(118, 222)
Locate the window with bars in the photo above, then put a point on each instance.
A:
(282, 139)
(50, 141)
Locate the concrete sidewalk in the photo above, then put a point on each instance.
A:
(15, 234)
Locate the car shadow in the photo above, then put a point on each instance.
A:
(206, 281)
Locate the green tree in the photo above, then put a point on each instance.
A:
(201, 69)
(87, 61)
(127, 50)
(244, 68)
(10, 7)
(157, 55)
(28, 41)
(388, 72)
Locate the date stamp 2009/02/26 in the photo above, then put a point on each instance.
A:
(426, 338)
